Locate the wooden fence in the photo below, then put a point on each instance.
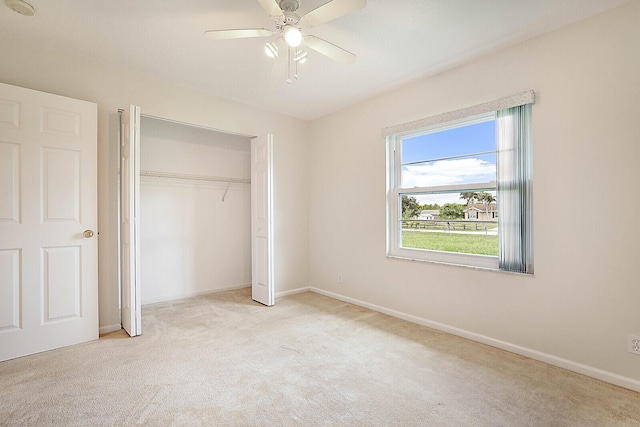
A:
(448, 225)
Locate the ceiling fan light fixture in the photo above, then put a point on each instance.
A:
(292, 36)
(271, 50)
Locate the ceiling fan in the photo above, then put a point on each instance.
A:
(287, 49)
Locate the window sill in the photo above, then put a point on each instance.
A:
(453, 258)
(457, 264)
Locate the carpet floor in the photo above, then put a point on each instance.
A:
(224, 360)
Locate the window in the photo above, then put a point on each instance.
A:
(448, 178)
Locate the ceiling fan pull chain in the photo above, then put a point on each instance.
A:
(289, 65)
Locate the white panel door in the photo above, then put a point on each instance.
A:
(262, 283)
(48, 220)
(129, 217)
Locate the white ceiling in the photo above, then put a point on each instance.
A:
(396, 41)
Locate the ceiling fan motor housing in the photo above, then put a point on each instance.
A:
(288, 17)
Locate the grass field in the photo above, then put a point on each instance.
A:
(479, 244)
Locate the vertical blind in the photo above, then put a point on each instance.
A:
(515, 189)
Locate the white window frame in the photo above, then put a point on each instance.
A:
(443, 121)
(396, 191)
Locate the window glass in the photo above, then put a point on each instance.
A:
(454, 142)
(450, 222)
(447, 189)
(470, 169)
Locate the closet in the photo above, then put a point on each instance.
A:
(195, 211)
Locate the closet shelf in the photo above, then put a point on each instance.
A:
(192, 177)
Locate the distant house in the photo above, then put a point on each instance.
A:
(429, 214)
(481, 212)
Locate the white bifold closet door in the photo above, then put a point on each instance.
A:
(131, 311)
(48, 222)
(262, 272)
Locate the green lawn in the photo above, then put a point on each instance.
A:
(479, 244)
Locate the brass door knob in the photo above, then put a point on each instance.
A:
(88, 234)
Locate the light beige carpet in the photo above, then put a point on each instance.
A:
(308, 361)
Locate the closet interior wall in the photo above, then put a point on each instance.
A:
(195, 206)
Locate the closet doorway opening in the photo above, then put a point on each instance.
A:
(194, 202)
(195, 211)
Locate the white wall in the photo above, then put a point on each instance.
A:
(583, 302)
(113, 86)
(191, 241)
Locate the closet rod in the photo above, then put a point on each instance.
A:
(191, 177)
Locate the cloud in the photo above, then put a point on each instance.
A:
(448, 172)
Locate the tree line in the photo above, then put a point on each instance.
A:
(411, 208)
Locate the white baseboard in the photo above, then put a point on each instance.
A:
(292, 292)
(589, 371)
(194, 294)
(109, 328)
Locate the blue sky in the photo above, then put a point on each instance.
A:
(476, 138)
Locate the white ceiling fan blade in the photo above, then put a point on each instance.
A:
(330, 11)
(334, 52)
(237, 34)
(271, 7)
